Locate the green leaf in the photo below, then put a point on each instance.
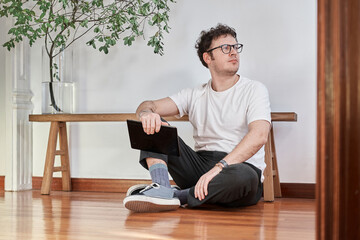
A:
(91, 43)
(42, 15)
(84, 23)
(105, 49)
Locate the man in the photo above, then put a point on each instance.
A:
(231, 119)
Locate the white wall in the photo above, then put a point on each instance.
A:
(279, 40)
(2, 98)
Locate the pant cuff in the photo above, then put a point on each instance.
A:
(144, 155)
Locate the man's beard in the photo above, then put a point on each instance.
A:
(227, 72)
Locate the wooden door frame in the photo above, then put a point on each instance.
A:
(338, 120)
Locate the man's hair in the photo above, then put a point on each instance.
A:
(204, 41)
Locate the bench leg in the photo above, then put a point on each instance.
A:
(268, 173)
(56, 128)
(50, 158)
(65, 163)
(277, 187)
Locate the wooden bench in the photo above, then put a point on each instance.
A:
(58, 129)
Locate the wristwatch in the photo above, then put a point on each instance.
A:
(224, 163)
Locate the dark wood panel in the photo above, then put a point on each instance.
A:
(2, 182)
(298, 190)
(93, 184)
(338, 118)
(289, 190)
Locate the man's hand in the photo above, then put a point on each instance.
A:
(201, 187)
(149, 113)
(151, 122)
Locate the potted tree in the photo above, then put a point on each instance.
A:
(61, 22)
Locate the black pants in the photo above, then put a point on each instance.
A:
(235, 186)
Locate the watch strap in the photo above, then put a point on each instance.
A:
(224, 163)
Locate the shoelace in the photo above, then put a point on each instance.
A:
(153, 185)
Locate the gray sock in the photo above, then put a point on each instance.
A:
(159, 174)
(182, 195)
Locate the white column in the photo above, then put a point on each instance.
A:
(18, 162)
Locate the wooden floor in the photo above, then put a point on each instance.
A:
(85, 215)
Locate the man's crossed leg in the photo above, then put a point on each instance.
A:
(237, 185)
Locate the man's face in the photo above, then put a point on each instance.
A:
(224, 64)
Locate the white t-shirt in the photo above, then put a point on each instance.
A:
(220, 119)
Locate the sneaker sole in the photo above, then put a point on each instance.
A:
(143, 203)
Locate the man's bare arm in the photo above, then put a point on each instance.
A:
(251, 143)
(149, 113)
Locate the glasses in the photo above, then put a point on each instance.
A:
(226, 48)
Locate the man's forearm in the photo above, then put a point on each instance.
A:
(249, 145)
(244, 150)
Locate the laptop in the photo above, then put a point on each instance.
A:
(166, 141)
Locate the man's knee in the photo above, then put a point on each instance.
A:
(240, 175)
(238, 185)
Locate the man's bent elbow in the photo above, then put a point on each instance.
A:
(146, 106)
(265, 134)
(263, 140)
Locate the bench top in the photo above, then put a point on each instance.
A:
(120, 117)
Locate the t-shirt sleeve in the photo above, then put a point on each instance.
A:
(259, 104)
(182, 100)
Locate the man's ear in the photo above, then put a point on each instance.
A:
(207, 57)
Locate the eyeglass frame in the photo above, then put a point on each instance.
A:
(232, 46)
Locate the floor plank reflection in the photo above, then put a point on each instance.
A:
(85, 215)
